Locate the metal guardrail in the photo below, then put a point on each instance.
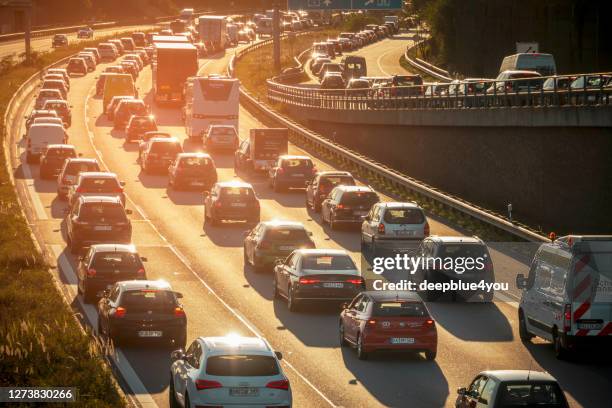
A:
(399, 184)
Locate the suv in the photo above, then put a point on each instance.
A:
(97, 219)
(70, 172)
(125, 109)
(291, 171)
(221, 137)
(52, 159)
(105, 264)
(139, 125)
(322, 184)
(142, 310)
(159, 153)
(96, 183)
(195, 170)
(228, 371)
(447, 261)
(231, 200)
(348, 205)
(566, 297)
(393, 222)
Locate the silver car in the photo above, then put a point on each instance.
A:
(228, 371)
(96, 183)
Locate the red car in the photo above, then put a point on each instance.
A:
(388, 321)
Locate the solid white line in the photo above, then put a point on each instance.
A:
(39, 208)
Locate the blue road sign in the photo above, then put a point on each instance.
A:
(376, 4)
(344, 4)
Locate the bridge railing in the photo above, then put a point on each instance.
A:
(597, 90)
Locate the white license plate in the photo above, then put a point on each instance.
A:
(286, 248)
(361, 213)
(402, 340)
(590, 326)
(149, 333)
(103, 228)
(333, 285)
(298, 175)
(404, 232)
(244, 392)
(238, 204)
(197, 183)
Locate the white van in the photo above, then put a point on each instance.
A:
(210, 101)
(544, 64)
(41, 135)
(567, 296)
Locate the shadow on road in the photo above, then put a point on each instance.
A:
(472, 321)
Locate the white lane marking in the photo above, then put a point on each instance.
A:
(187, 264)
(378, 62)
(127, 371)
(39, 208)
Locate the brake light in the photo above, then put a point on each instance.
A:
(426, 230)
(308, 281)
(355, 281)
(278, 385)
(179, 312)
(430, 322)
(140, 271)
(567, 318)
(80, 190)
(372, 322)
(119, 312)
(340, 206)
(218, 204)
(381, 228)
(207, 384)
(280, 171)
(119, 190)
(91, 273)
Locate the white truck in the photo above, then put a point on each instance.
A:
(213, 29)
(41, 135)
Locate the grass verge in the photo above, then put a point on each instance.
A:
(41, 343)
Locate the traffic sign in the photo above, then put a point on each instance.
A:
(344, 4)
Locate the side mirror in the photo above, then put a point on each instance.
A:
(521, 282)
(344, 305)
(177, 355)
(122, 183)
(106, 292)
(128, 212)
(279, 355)
(143, 259)
(178, 295)
(461, 391)
(279, 261)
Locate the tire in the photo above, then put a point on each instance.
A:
(292, 303)
(332, 223)
(430, 355)
(171, 394)
(343, 342)
(561, 353)
(524, 334)
(362, 355)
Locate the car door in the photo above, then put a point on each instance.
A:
(289, 270)
(311, 189)
(367, 230)
(350, 324)
(183, 369)
(84, 267)
(470, 398)
(251, 242)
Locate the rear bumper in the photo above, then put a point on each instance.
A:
(297, 182)
(590, 339)
(131, 329)
(91, 238)
(223, 214)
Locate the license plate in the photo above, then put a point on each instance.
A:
(197, 183)
(333, 285)
(590, 326)
(404, 232)
(361, 213)
(103, 228)
(238, 205)
(402, 340)
(286, 248)
(298, 175)
(244, 392)
(149, 333)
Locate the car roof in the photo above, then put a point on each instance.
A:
(46, 126)
(82, 160)
(56, 101)
(193, 154)
(234, 183)
(284, 224)
(236, 345)
(98, 174)
(455, 239)
(385, 295)
(114, 248)
(348, 189)
(144, 284)
(294, 157)
(398, 204)
(60, 146)
(519, 375)
(332, 173)
(322, 251)
(101, 199)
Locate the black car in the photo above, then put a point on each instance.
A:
(95, 220)
(159, 153)
(348, 205)
(53, 158)
(105, 264)
(147, 311)
(138, 125)
(291, 171)
(59, 40)
(192, 170)
(322, 184)
(231, 200)
(126, 109)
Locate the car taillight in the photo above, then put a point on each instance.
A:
(119, 312)
(119, 190)
(218, 204)
(430, 322)
(278, 385)
(91, 273)
(179, 312)
(355, 281)
(372, 322)
(567, 318)
(80, 190)
(207, 384)
(308, 281)
(426, 230)
(340, 207)
(140, 271)
(381, 228)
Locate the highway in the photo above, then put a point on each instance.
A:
(222, 296)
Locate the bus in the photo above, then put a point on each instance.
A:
(210, 101)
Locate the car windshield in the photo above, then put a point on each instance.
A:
(531, 395)
(404, 216)
(99, 212)
(194, 162)
(102, 184)
(353, 198)
(76, 168)
(166, 147)
(324, 262)
(242, 366)
(329, 181)
(286, 235)
(399, 309)
(104, 261)
(148, 299)
(463, 251)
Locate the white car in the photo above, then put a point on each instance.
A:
(228, 371)
(46, 94)
(86, 32)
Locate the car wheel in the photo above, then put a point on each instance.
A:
(343, 342)
(430, 355)
(362, 355)
(292, 302)
(524, 334)
(172, 394)
(332, 222)
(561, 353)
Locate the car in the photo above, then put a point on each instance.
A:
(358, 87)
(142, 310)
(192, 170)
(44, 95)
(118, 45)
(105, 264)
(564, 297)
(333, 81)
(114, 102)
(60, 85)
(221, 137)
(48, 120)
(61, 107)
(391, 321)
(291, 171)
(94, 51)
(60, 71)
(128, 43)
(134, 58)
(138, 125)
(142, 144)
(108, 52)
(393, 224)
(159, 153)
(450, 257)
(512, 388)
(125, 109)
(77, 65)
(271, 240)
(316, 275)
(231, 200)
(130, 67)
(323, 183)
(52, 159)
(348, 205)
(57, 77)
(97, 183)
(543, 64)
(90, 60)
(144, 56)
(39, 113)
(97, 219)
(114, 69)
(330, 67)
(70, 171)
(558, 83)
(228, 371)
(516, 81)
(59, 40)
(85, 32)
(139, 39)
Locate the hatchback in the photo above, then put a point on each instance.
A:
(52, 159)
(125, 109)
(159, 153)
(348, 205)
(231, 200)
(61, 107)
(98, 183)
(112, 105)
(192, 170)
(77, 66)
(44, 95)
(70, 172)
(221, 137)
(323, 183)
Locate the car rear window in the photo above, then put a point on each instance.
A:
(296, 163)
(399, 309)
(102, 184)
(104, 261)
(531, 395)
(242, 366)
(332, 181)
(286, 235)
(148, 299)
(325, 262)
(404, 216)
(61, 153)
(462, 250)
(237, 192)
(194, 162)
(102, 211)
(166, 147)
(76, 168)
(352, 198)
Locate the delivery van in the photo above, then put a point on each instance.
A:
(41, 135)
